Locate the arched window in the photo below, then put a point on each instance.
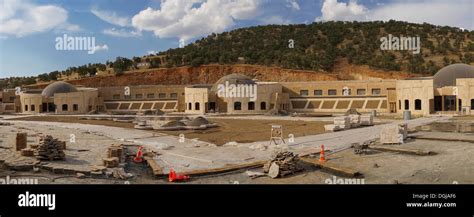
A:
(196, 106)
(237, 106)
(263, 106)
(190, 106)
(251, 106)
(407, 104)
(64, 107)
(417, 104)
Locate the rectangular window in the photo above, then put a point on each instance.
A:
(173, 95)
(332, 92)
(75, 107)
(12, 98)
(376, 91)
(139, 96)
(127, 96)
(162, 95)
(361, 92)
(150, 96)
(318, 92)
(32, 108)
(26, 107)
(116, 96)
(303, 92)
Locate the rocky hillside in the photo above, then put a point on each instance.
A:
(208, 74)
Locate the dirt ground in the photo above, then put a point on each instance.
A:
(228, 130)
(244, 130)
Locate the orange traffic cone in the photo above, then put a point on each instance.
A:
(322, 157)
(138, 158)
(176, 177)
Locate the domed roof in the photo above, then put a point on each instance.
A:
(233, 79)
(58, 87)
(447, 75)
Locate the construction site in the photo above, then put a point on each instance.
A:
(414, 131)
(111, 149)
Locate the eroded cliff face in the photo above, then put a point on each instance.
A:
(209, 74)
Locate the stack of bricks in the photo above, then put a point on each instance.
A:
(21, 141)
(50, 149)
(114, 156)
(355, 120)
(343, 122)
(367, 120)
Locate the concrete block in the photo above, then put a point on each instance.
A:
(393, 134)
(367, 120)
(331, 127)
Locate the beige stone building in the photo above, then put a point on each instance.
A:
(450, 91)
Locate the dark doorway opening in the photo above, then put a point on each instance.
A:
(450, 103)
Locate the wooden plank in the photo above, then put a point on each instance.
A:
(444, 139)
(402, 150)
(228, 168)
(225, 169)
(155, 168)
(331, 167)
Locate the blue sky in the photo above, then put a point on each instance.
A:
(28, 29)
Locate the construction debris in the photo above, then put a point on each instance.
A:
(115, 150)
(254, 175)
(360, 148)
(50, 149)
(120, 173)
(111, 162)
(21, 140)
(393, 134)
(27, 152)
(282, 164)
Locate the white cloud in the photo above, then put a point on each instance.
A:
(334, 10)
(451, 13)
(111, 17)
(100, 48)
(121, 33)
(188, 19)
(152, 52)
(21, 18)
(293, 4)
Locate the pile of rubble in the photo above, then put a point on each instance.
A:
(50, 148)
(282, 163)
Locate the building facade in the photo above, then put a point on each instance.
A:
(450, 91)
